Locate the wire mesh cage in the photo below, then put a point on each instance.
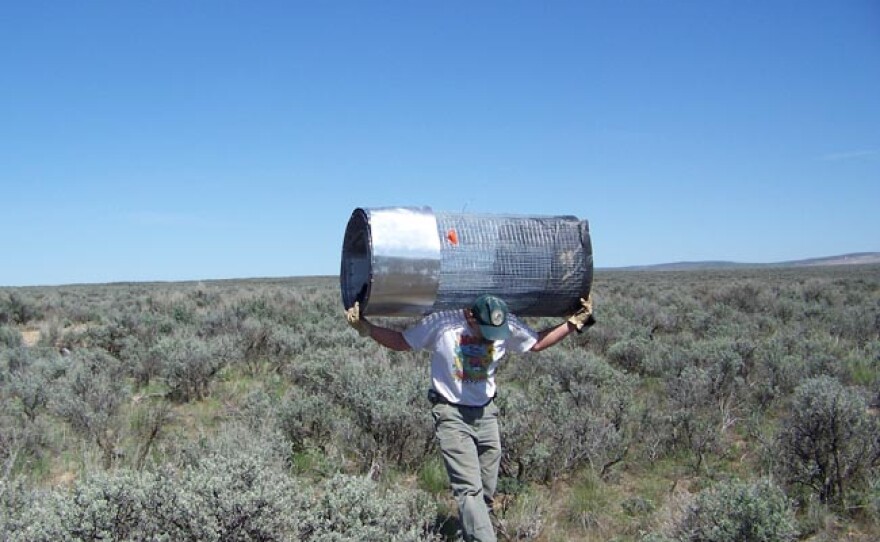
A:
(409, 261)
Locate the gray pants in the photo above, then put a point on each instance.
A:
(471, 449)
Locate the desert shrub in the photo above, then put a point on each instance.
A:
(9, 337)
(777, 372)
(526, 517)
(576, 416)
(142, 360)
(222, 495)
(859, 323)
(699, 322)
(90, 396)
(255, 410)
(148, 326)
(264, 343)
(870, 500)
(189, 364)
(109, 336)
(29, 377)
(26, 376)
(261, 307)
(783, 307)
(818, 292)
(134, 341)
(822, 354)
(16, 308)
(23, 443)
(606, 332)
(148, 422)
(523, 446)
(739, 512)
(629, 354)
(591, 382)
(827, 442)
(220, 320)
(15, 500)
(722, 360)
(745, 296)
(347, 508)
(15, 359)
(666, 357)
(389, 407)
(183, 312)
(308, 420)
(656, 537)
(861, 366)
(652, 316)
(243, 498)
(221, 498)
(687, 417)
(106, 507)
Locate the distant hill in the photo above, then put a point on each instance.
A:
(858, 258)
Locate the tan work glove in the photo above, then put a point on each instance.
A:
(584, 316)
(353, 316)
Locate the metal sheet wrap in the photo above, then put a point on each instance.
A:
(408, 261)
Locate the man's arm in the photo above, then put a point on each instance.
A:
(388, 338)
(553, 335)
(583, 318)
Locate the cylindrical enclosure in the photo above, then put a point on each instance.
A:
(406, 261)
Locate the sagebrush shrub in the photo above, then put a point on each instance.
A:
(575, 416)
(308, 420)
(630, 354)
(26, 380)
(347, 508)
(18, 308)
(690, 419)
(232, 497)
(739, 512)
(388, 403)
(189, 365)
(828, 441)
(90, 396)
(9, 337)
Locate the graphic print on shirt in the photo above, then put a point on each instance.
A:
(472, 359)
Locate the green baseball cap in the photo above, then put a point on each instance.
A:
(491, 315)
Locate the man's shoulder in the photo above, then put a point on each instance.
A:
(432, 326)
(443, 318)
(515, 320)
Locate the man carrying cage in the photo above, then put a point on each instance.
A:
(466, 346)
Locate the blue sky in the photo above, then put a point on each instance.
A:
(186, 140)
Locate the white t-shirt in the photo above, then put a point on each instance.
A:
(463, 365)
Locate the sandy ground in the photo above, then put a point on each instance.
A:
(30, 337)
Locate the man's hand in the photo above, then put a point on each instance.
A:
(353, 316)
(584, 316)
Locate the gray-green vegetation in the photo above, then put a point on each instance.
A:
(725, 405)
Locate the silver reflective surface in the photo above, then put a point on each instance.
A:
(412, 261)
(392, 259)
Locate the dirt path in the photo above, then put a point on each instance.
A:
(30, 337)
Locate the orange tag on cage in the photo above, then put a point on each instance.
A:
(452, 236)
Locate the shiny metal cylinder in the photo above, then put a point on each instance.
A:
(408, 261)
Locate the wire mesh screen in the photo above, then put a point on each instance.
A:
(540, 265)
